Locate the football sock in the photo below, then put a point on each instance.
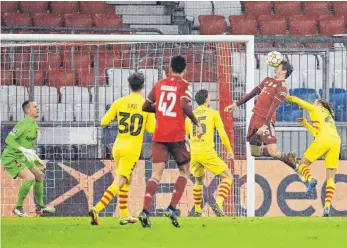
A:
(197, 192)
(329, 192)
(179, 187)
(285, 159)
(305, 171)
(23, 192)
(151, 188)
(109, 194)
(38, 192)
(123, 201)
(223, 191)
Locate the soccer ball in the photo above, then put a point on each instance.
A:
(274, 58)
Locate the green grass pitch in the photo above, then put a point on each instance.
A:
(194, 232)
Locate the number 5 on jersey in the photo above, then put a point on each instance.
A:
(167, 102)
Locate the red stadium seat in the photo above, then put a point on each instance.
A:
(329, 18)
(17, 19)
(7, 77)
(243, 25)
(300, 18)
(50, 60)
(86, 77)
(81, 60)
(21, 59)
(303, 28)
(212, 24)
(316, 8)
(60, 78)
(78, 20)
(196, 74)
(332, 27)
(276, 27)
(107, 20)
(23, 77)
(96, 7)
(257, 8)
(287, 9)
(340, 8)
(9, 6)
(34, 6)
(63, 7)
(262, 18)
(110, 60)
(47, 20)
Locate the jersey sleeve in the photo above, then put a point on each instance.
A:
(222, 134)
(279, 98)
(150, 124)
(149, 105)
(303, 104)
(253, 93)
(11, 139)
(186, 92)
(110, 114)
(309, 128)
(187, 126)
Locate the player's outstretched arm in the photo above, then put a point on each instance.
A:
(110, 115)
(307, 125)
(303, 104)
(222, 134)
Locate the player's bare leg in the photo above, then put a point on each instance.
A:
(179, 187)
(151, 189)
(198, 195)
(29, 180)
(223, 191)
(329, 191)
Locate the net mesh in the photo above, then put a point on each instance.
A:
(75, 83)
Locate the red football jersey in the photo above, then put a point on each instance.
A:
(271, 89)
(167, 95)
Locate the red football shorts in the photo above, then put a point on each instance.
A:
(179, 150)
(269, 137)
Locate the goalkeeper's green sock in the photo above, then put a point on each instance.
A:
(38, 192)
(23, 192)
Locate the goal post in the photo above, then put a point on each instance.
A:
(222, 64)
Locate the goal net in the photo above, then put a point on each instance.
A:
(75, 78)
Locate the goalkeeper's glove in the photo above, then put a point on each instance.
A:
(28, 153)
(39, 163)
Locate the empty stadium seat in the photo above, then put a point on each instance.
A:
(74, 94)
(287, 9)
(193, 13)
(63, 7)
(332, 27)
(288, 112)
(211, 25)
(107, 21)
(338, 98)
(13, 94)
(60, 78)
(57, 112)
(87, 112)
(86, 77)
(243, 25)
(80, 60)
(303, 28)
(306, 94)
(118, 78)
(46, 95)
(107, 95)
(78, 20)
(7, 77)
(276, 27)
(197, 74)
(23, 77)
(34, 6)
(340, 8)
(16, 19)
(47, 20)
(315, 8)
(96, 7)
(110, 60)
(268, 18)
(257, 8)
(50, 60)
(227, 8)
(9, 6)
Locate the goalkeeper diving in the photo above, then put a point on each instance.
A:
(204, 155)
(20, 160)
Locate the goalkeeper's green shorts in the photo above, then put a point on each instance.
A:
(13, 164)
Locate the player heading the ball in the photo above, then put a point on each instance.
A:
(20, 160)
(204, 155)
(132, 124)
(170, 99)
(261, 131)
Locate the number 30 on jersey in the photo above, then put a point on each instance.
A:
(167, 102)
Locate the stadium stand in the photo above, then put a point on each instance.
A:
(34, 6)
(287, 9)
(257, 8)
(107, 20)
(212, 24)
(314, 8)
(47, 20)
(16, 19)
(78, 20)
(9, 6)
(63, 7)
(96, 7)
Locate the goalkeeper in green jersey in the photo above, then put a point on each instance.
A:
(20, 160)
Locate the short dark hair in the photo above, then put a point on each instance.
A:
(287, 67)
(201, 96)
(178, 64)
(25, 105)
(136, 81)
